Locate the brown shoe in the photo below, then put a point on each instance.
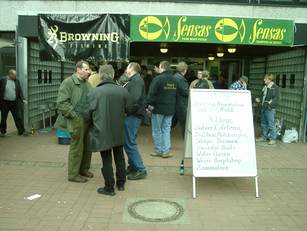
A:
(78, 179)
(87, 174)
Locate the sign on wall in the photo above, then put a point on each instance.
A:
(84, 36)
(201, 29)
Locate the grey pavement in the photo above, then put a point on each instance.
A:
(37, 165)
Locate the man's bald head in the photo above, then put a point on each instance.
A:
(12, 74)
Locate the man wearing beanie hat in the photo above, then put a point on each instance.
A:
(240, 84)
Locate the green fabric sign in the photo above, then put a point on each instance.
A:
(251, 31)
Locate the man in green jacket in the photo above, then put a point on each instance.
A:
(71, 105)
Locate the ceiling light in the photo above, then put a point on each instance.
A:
(163, 50)
(231, 50)
(211, 58)
(219, 54)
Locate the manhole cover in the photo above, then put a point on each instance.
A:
(155, 210)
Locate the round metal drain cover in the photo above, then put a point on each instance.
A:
(155, 210)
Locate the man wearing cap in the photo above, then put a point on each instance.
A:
(240, 84)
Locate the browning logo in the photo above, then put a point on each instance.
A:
(55, 36)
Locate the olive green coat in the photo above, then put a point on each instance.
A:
(69, 95)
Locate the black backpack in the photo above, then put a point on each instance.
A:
(202, 84)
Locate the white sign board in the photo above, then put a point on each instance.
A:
(223, 143)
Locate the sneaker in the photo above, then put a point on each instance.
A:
(137, 175)
(155, 154)
(87, 174)
(105, 191)
(78, 179)
(272, 142)
(167, 155)
(261, 139)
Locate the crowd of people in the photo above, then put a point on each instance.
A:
(103, 114)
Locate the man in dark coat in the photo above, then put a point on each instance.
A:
(11, 99)
(182, 95)
(136, 88)
(162, 97)
(107, 104)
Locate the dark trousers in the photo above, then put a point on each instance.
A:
(181, 117)
(107, 169)
(13, 107)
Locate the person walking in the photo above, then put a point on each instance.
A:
(11, 100)
(162, 98)
(71, 103)
(106, 108)
(135, 85)
(269, 102)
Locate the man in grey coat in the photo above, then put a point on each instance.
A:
(107, 105)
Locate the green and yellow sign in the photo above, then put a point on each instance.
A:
(252, 31)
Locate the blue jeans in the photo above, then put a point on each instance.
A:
(132, 123)
(161, 132)
(268, 124)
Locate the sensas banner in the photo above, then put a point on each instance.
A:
(84, 36)
(202, 29)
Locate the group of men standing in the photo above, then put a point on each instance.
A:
(103, 119)
(106, 118)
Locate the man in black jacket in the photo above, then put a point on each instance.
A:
(182, 95)
(11, 100)
(162, 97)
(136, 87)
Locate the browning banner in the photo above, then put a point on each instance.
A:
(84, 36)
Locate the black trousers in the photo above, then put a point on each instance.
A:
(14, 108)
(181, 117)
(107, 168)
